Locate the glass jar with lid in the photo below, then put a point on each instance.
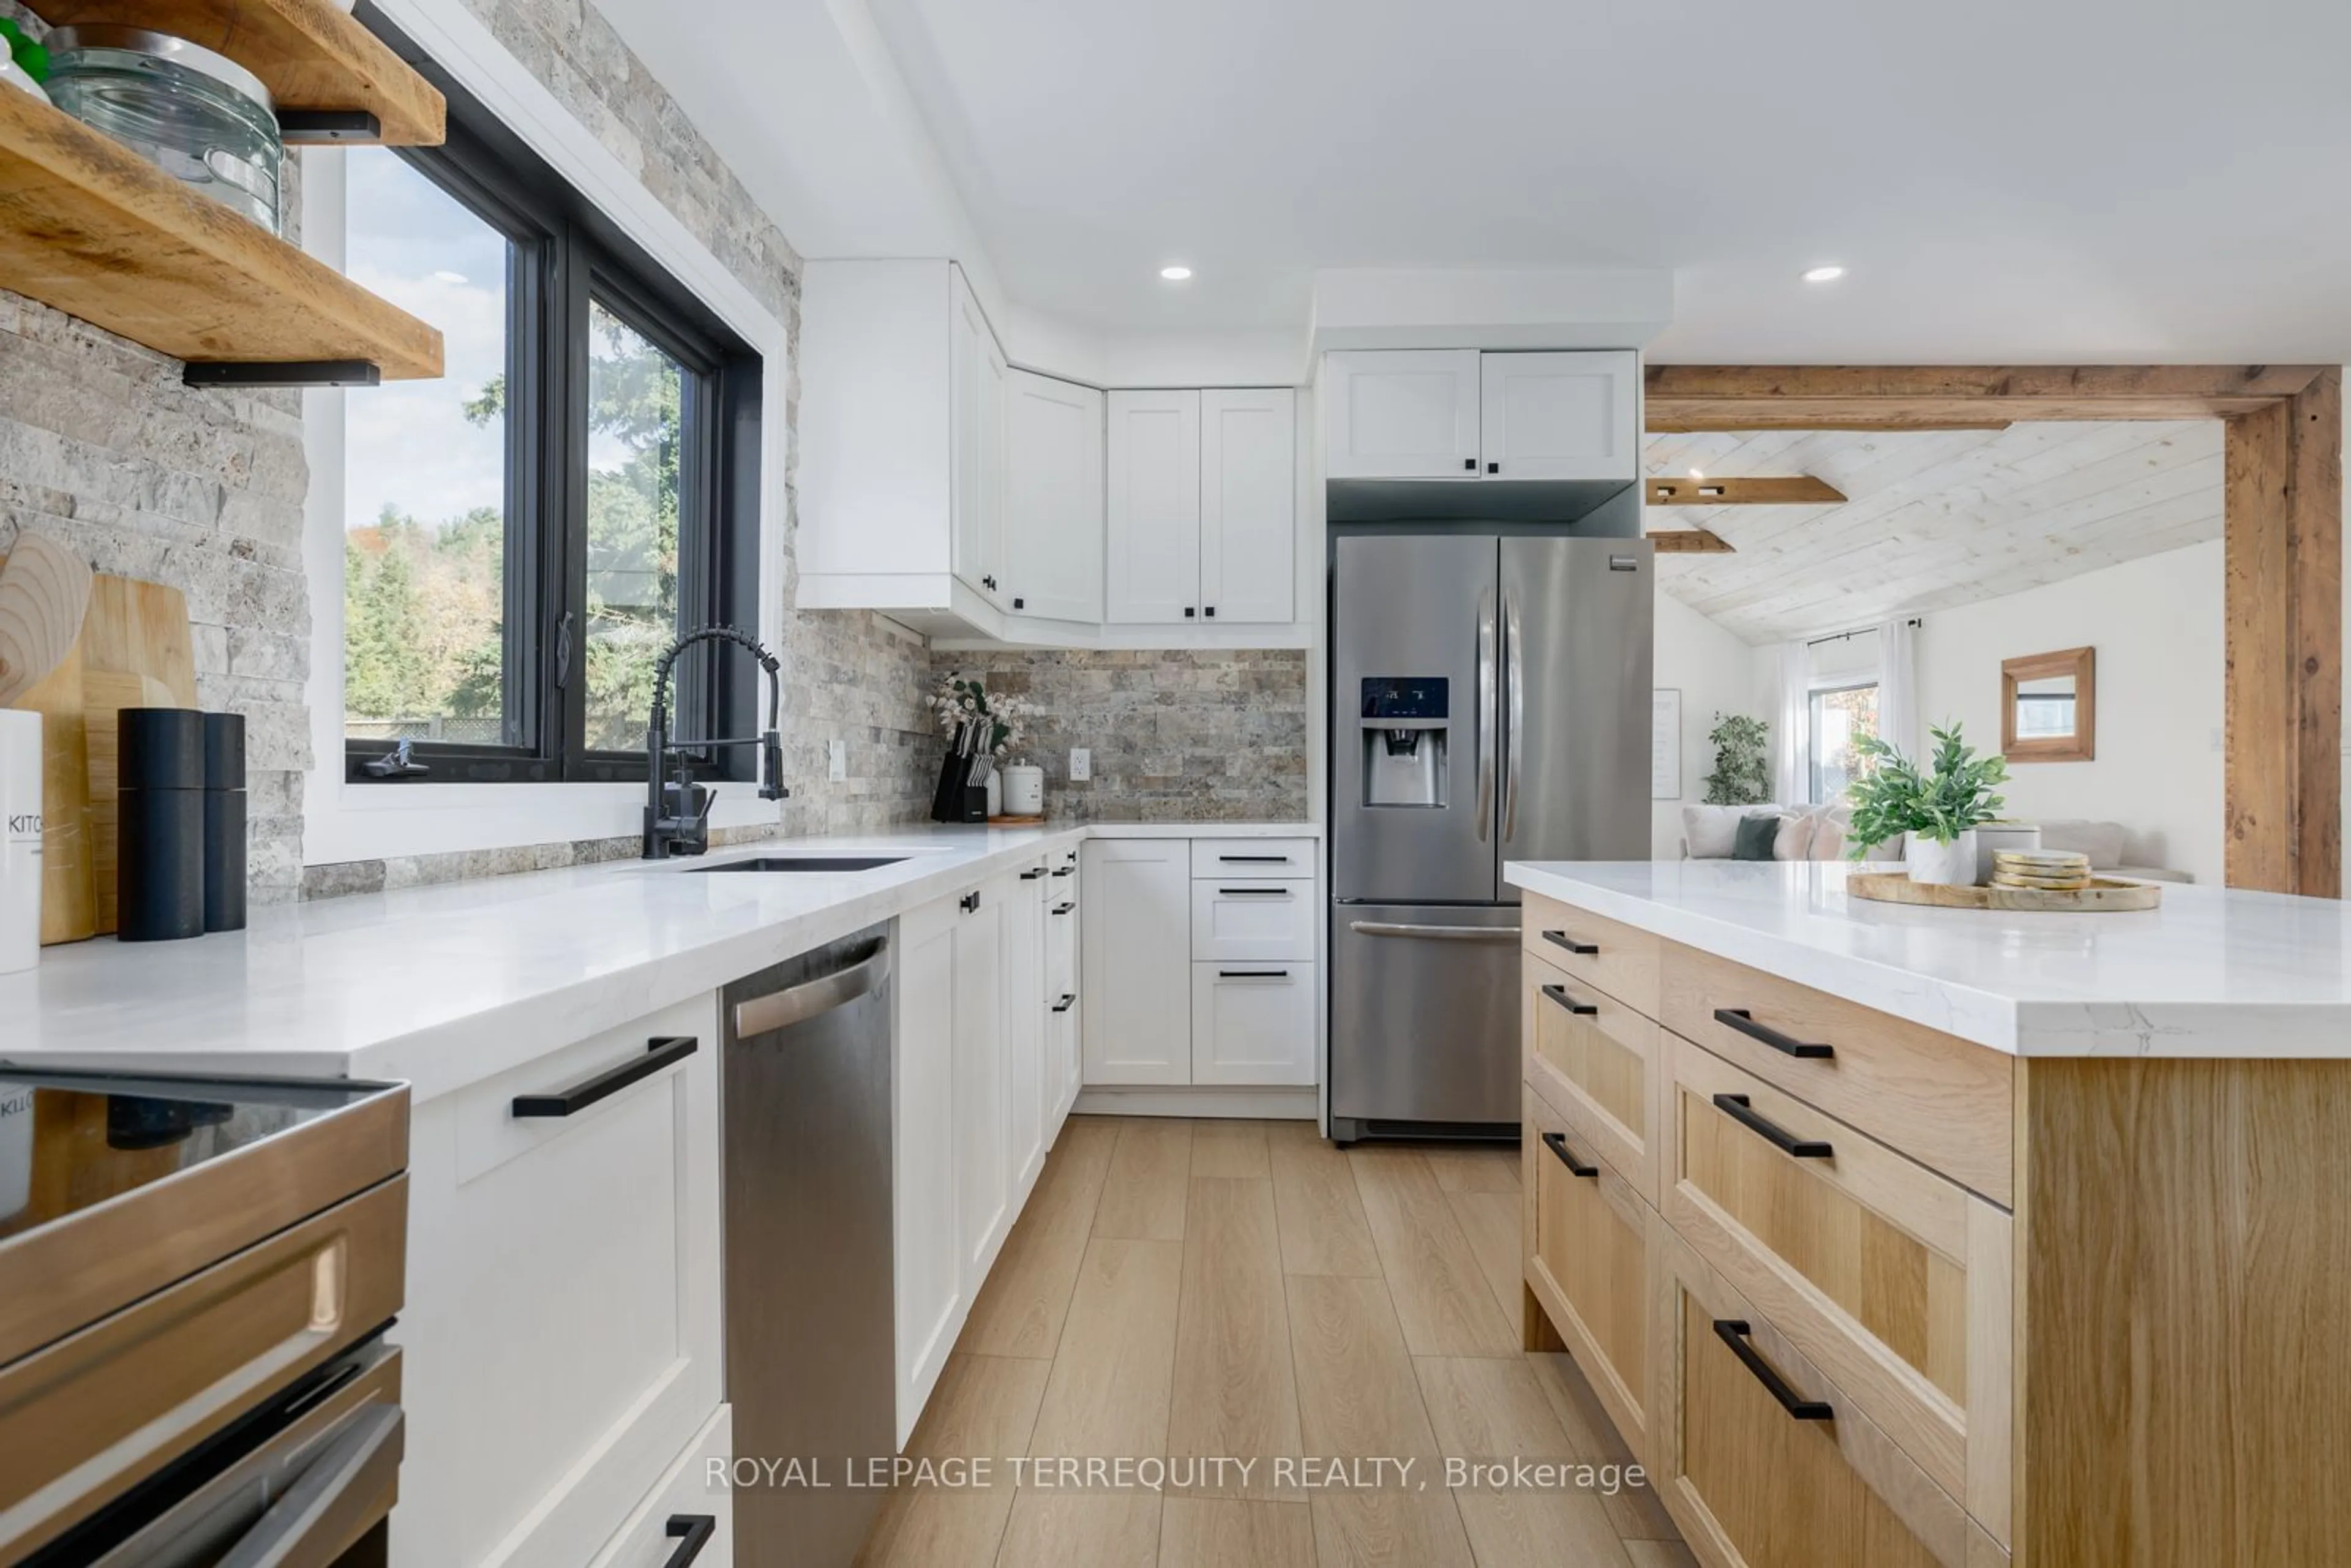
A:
(198, 116)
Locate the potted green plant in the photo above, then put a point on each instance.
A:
(1739, 775)
(1935, 813)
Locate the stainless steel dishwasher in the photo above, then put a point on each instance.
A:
(810, 1354)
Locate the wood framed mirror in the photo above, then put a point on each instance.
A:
(2049, 706)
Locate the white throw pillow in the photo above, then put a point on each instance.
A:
(1828, 833)
(1795, 838)
(1710, 831)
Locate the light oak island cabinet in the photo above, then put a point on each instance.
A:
(1863, 1292)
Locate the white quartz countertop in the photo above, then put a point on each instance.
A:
(446, 985)
(2212, 973)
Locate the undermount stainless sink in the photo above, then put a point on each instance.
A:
(804, 863)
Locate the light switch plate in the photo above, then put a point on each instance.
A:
(1082, 764)
(839, 769)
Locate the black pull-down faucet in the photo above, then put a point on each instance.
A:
(686, 829)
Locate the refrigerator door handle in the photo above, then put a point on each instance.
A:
(1487, 711)
(1434, 932)
(1514, 703)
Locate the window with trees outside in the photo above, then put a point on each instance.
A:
(1839, 715)
(525, 538)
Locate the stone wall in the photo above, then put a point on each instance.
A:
(1175, 737)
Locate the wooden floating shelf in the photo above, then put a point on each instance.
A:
(314, 59)
(1691, 541)
(90, 227)
(1802, 490)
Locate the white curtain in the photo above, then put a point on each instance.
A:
(1898, 687)
(1791, 726)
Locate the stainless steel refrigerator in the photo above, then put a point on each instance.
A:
(1490, 702)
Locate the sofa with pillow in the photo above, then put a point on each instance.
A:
(1818, 833)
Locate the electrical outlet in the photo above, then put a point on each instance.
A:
(839, 769)
(1082, 764)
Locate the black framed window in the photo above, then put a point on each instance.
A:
(525, 538)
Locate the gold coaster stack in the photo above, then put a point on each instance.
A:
(2050, 871)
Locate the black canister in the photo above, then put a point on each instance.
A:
(159, 872)
(223, 821)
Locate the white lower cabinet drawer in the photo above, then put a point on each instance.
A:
(1253, 857)
(1250, 917)
(1252, 1022)
(562, 1331)
(692, 1503)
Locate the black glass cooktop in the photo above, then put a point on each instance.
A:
(69, 1141)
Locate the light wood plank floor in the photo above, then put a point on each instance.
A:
(1179, 1291)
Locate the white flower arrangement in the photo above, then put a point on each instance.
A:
(977, 723)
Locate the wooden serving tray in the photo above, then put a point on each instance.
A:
(2104, 896)
(1016, 821)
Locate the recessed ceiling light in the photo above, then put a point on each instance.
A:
(1174, 274)
(1824, 274)
(444, 276)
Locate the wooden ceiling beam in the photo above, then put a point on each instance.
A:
(1692, 542)
(1800, 490)
(1686, 398)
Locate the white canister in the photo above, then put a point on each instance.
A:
(1024, 791)
(1943, 865)
(20, 840)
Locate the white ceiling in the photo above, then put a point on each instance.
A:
(2052, 181)
(1932, 519)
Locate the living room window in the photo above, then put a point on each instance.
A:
(525, 537)
(1839, 715)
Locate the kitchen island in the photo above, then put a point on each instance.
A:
(1893, 1235)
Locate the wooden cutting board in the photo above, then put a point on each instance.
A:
(44, 601)
(136, 651)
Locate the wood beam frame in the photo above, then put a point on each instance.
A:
(2283, 530)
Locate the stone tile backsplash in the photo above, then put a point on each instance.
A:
(1198, 736)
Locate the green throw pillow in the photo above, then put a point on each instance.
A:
(1755, 838)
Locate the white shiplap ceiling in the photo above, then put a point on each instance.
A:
(1932, 519)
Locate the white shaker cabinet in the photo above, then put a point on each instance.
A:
(1154, 506)
(1253, 1021)
(1053, 516)
(1248, 506)
(1558, 415)
(563, 1332)
(977, 417)
(1024, 1025)
(1401, 413)
(983, 1111)
(1136, 954)
(1064, 1066)
(1203, 506)
(928, 1274)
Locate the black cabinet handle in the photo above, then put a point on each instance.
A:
(1744, 1022)
(692, 1531)
(1734, 1332)
(1470, 464)
(1019, 604)
(1189, 613)
(1253, 893)
(1066, 871)
(1557, 1143)
(969, 902)
(1581, 950)
(1063, 908)
(1033, 874)
(659, 1053)
(1252, 974)
(1211, 613)
(1253, 860)
(1739, 1109)
(1493, 468)
(1066, 1003)
(1580, 1009)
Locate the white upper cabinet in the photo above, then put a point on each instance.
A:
(1401, 415)
(1459, 413)
(977, 414)
(1558, 416)
(1052, 564)
(1203, 508)
(1248, 506)
(1155, 505)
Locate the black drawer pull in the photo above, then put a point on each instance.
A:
(1066, 1003)
(1557, 1143)
(692, 1531)
(659, 1053)
(1253, 893)
(969, 902)
(1744, 1022)
(1254, 860)
(1033, 874)
(1740, 1109)
(1580, 1009)
(1066, 871)
(1581, 950)
(1063, 908)
(1734, 1332)
(1252, 974)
